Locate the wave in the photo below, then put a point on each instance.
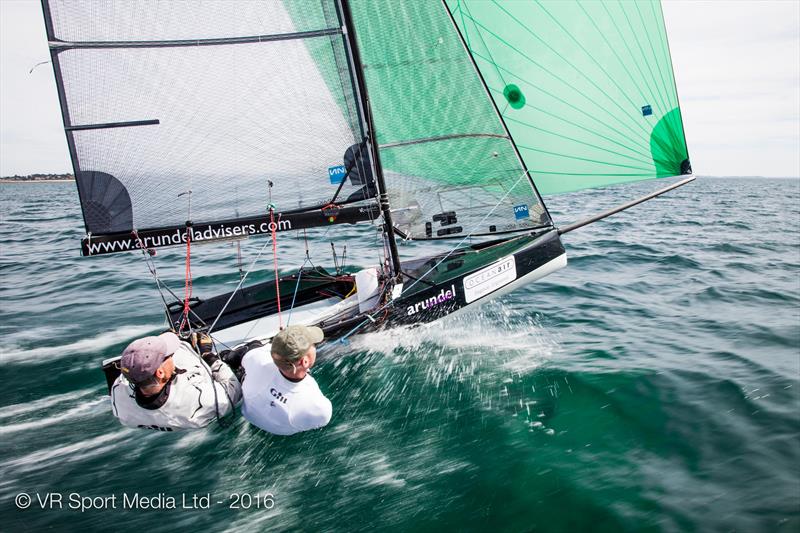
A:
(80, 411)
(19, 354)
(82, 450)
(40, 404)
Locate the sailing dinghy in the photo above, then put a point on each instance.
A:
(197, 122)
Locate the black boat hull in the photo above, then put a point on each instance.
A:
(538, 258)
(433, 287)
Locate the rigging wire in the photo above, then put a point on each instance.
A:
(335, 261)
(297, 286)
(187, 284)
(151, 266)
(273, 227)
(371, 316)
(238, 286)
(253, 263)
(274, 230)
(148, 253)
(239, 258)
(294, 296)
(160, 285)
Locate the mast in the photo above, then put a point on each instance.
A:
(354, 59)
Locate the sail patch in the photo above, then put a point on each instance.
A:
(514, 96)
(105, 202)
(521, 211)
(490, 279)
(337, 174)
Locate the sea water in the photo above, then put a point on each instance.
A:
(652, 385)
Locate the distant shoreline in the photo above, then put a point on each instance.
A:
(39, 177)
(36, 181)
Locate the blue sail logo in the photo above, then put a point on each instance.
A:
(337, 174)
(521, 211)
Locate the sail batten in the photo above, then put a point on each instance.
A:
(150, 122)
(64, 45)
(442, 138)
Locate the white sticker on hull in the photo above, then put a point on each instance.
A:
(490, 279)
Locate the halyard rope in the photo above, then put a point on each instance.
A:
(187, 284)
(239, 286)
(274, 228)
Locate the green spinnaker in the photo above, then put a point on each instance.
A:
(586, 91)
(600, 103)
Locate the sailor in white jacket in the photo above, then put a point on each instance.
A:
(280, 396)
(165, 385)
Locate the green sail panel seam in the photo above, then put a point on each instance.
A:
(567, 84)
(662, 103)
(522, 123)
(653, 52)
(668, 62)
(613, 50)
(669, 81)
(599, 65)
(463, 24)
(663, 31)
(483, 42)
(671, 84)
(522, 146)
(643, 56)
(658, 68)
(566, 61)
(622, 134)
(633, 141)
(636, 63)
(630, 52)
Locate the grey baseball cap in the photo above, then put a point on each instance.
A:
(293, 342)
(142, 357)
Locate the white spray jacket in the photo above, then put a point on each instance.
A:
(196, 395)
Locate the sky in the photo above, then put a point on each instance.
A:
(737, 67)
